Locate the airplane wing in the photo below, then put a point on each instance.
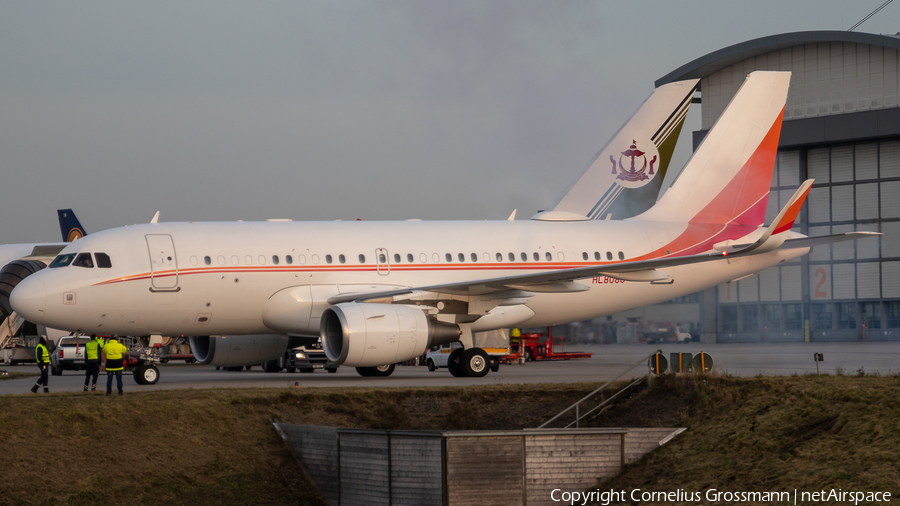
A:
(564, 280)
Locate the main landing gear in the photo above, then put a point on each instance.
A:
(471, 363)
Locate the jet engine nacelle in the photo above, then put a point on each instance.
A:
(232, 351)
(369, 335)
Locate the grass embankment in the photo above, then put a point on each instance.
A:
(768, 434)
(218, 447)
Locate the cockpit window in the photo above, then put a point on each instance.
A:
(103, 260)
(83, 260)
(62, 260)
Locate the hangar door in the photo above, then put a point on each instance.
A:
(163, 263)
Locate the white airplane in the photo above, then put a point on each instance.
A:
(383, 292)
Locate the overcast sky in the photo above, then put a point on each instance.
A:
(337, 110)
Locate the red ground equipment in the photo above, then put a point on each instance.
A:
(534, 347)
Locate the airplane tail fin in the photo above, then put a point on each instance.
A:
(69, 225)
(624, 178)
(727, 180)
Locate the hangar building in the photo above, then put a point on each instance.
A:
(842, 128)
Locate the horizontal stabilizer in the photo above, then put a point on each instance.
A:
(809, 242)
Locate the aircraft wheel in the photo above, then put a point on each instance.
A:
(383, 370)
(475, 363)
(146, 375)
(364, 371)
(430, 365)
(453, 363)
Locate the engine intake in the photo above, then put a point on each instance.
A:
(369, 335)
(238, 350)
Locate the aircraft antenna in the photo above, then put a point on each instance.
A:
(863, 20)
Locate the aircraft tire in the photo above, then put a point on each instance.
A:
(383, 370)
(146, 375)
(364, 371)
(453, 363)
(475, 363)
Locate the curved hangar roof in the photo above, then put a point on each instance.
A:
(725, 57)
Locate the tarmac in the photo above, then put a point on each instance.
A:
(608, 362)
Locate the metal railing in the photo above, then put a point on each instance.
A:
(577, 404)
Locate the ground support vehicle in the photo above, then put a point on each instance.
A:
(306, 358)
(68, 355)
(534, 347)
(176, 349)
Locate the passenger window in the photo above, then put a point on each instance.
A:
(512, 257)
(499, 257)
(193, 260)
(449, 257)
(462, 257)
(409, 257)
(207, 260)
(220, 259)
(103, 260)
(596, 255)
(382, 258)
(235, 260)
(315, 259)
(609, 255)
(537, 256)
(275, 259)
(64, 260)
(474, 257)
(83, 260)
(397, 258)
(289, 259)
(524, 256)
(548, 256)
(621, 256)
(584, 255)
(341, 258)
(561, 256)
(362, 259)
(327, 259)
(301, 259)
(248, 260)
(423, 257)
(436, 257)
(486, 256)
(262, 260)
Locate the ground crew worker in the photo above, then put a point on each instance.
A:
(92, 361)
(114, 363)
(42, 354)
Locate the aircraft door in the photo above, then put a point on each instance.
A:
(163, 263)
(383, 261)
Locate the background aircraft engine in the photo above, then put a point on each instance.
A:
(370, 335)
(238, 350)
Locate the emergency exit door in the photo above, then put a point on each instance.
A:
(163, 262)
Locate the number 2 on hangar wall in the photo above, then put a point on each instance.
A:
(817, 293)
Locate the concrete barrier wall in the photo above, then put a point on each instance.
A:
(375, 467)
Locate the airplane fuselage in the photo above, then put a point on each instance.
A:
(233, 277)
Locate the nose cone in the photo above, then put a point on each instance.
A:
(28, 299)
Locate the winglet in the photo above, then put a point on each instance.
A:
(512, 216)
(773, 237)
(155, 217)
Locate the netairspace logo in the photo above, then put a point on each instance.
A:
(637, 496)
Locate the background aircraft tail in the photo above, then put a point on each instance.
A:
(727, 180)
(624, 178)
(69, 225)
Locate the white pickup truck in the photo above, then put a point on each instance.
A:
(67, 356)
